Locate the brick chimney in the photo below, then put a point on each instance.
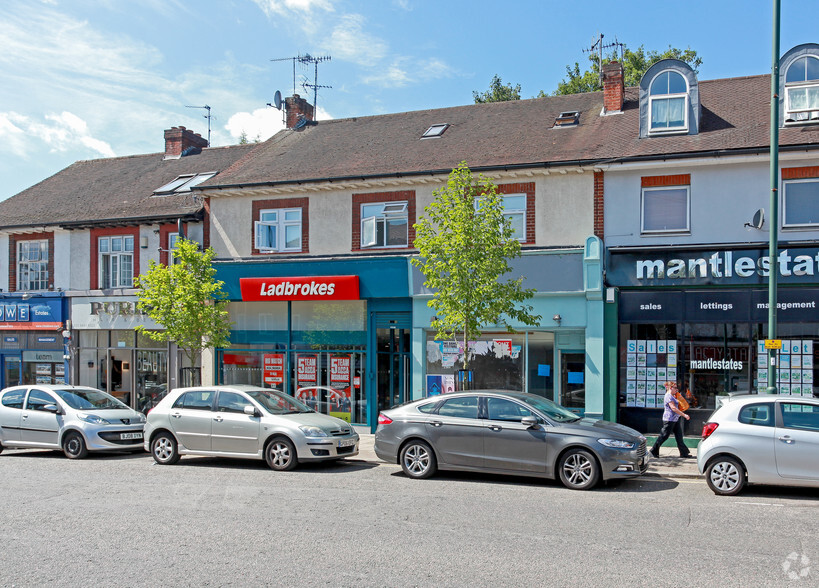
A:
(613, 87)
(179, 139)
(297, 109)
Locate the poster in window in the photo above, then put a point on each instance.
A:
(59, 370)
(641, 346)
(786, 347)
(306, 369)
(796, 376)
(651, 373)
(661, 374)
(762, 376)
(631, 373)
(273, 371)
(651, 401)
(631, 387)
(672, 347)
(651, 387)
(785, 362)
(59, 381)
(641, 359)
(807, 347)
(784, 388)
(671, 374)
(43, 369)
(651, 346)
(795, 346)
(807, 377)
(807, 362)
(631, 359)
(631, 400)
(762, 360)
(631, 346)
(641, 387)
(671, 359)
(340, 370)
(43, 379)
(641, 401)
(796, 362)
(641, 373)
(662, 346)
(784, 375)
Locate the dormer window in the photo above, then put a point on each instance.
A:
(802, 90)
(668, 103)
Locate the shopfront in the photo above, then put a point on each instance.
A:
(32, 346)
(333, 333)
(711, 339)
(109, 354)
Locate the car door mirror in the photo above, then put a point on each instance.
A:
(252, 411)
(51, 408)
(529, 422)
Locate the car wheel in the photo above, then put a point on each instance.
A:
(418, 460)
(280, 455)
(1, 448)
(74, 446)
(725, 476)
(579, 470)
(164, 449)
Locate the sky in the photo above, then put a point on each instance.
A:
(85, 79)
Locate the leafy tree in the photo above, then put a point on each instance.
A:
(635, 64)
(497, 92)
(465, 244)
(185, 299)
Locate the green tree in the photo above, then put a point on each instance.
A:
(465, 244)
(497, 92)
(186, 300)
(635, 64)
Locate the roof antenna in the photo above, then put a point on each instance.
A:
(598, 47)
(208, 116)
(305, 60)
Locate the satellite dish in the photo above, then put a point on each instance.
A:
(758, 220)
(277, 100)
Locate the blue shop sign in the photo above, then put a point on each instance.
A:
(44, 311)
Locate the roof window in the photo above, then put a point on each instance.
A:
(569, 118)
(435, 131)
(802, 90)
(183, 183)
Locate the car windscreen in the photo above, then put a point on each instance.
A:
(89, 399)
(553, 411)
(276, 403)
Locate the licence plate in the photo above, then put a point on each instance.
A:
(346, 442)
(124, 436)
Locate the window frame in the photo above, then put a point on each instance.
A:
(668, 97)
(43, 277)
(369, 224)
(521, 212)
(108, 257)
(791, 113)
(666, 188)
(280, 225)
(784, 205)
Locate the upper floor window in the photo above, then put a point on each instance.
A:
(116, 258)
(384, 224)
(32, 265)
(800, 202)
(665, 210)
(173, 239)
(668, 103)
(514, 209)
(802, 90)
(279, 230)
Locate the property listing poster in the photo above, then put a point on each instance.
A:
(794, 363)
(339, 399)
(649, 364)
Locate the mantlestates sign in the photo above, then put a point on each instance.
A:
(793, 265)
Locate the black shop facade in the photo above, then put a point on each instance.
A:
(700, 316)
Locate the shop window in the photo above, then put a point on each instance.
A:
(665, 209)
(116, 261)
(800, 202)
(668, 103)
(32, 265)
(384, 224)
(279, 230)
(802, 90)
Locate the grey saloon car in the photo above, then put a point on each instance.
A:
(503, 432)
(75, 419)
(246, 422)
(761, 439)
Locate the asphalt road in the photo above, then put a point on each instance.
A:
(120, 520)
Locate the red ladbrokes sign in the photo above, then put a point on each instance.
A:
(300, 288)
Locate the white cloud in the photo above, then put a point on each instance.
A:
(286, 7)
(403, 71)
(349, 41)
(260, 124)
(59, 133)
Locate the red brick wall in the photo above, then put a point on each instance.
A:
(527, 188)
(164, 233)
(599, 202)
(400, 196)
(13, 240)
(206, 224)
(658, 181)
(303, 203)
(799, 173)
(108, 232)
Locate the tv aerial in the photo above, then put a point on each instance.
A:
(305, 60)
(208, 116)
(598, 47)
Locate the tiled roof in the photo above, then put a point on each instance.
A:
(735, 115)
(113, 190)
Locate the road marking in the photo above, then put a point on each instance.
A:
(757, 503)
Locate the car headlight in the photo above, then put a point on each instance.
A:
(141, 418)
(311, 431)
(617, 443)
(93, 419)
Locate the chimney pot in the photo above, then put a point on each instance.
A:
(613, 87)
(179, 139)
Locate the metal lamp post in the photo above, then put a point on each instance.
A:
(773, 270)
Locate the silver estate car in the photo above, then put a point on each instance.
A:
(502, 432)
(75, 419)
(761, 439)
(247, 422)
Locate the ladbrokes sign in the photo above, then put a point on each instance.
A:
(299, 288)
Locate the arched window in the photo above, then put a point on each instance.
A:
(802, 90)
(668, 103)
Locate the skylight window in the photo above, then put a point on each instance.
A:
(183, 183)
(567, 119)
(435, 131)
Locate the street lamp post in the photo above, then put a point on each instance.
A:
(773, 270)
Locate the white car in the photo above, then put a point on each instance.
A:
(75, 419)
(761, 439)
(247, 422)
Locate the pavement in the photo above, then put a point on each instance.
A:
(668, 465)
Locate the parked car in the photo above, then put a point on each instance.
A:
(75, 419)
(761, 439)
(503, 432)
(247, 422)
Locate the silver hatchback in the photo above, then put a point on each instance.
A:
(246, 422)
(502, 432)
(74, 419)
